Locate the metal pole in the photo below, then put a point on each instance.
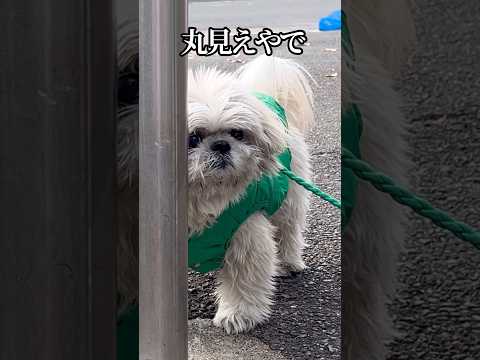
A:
(163, 182)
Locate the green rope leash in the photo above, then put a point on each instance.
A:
(399, 194)
(312, 188)
(417, 204)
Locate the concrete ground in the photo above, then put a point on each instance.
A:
(206, 342)
(305, 323)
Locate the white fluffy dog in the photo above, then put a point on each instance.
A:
(381, 32)
(234, 139)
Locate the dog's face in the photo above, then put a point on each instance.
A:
(233, 137)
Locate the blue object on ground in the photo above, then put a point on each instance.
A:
(331, 22)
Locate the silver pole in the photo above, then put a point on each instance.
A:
(163, 181)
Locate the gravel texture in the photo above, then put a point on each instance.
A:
(306, 317)
(207, 342)
(437, 309)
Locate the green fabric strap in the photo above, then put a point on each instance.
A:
(274, 106)
(351, 132)
(206, 250)
(127, 335)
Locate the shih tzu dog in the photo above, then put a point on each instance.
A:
(234, 139)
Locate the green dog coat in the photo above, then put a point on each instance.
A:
(207, 249)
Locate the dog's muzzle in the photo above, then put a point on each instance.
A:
(221, 148)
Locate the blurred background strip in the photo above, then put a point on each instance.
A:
(57, 176)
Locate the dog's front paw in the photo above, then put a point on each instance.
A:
(292, 265)
(239, 319)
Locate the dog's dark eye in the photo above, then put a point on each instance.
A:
(194, 140)
(237, 134)
(128, 89)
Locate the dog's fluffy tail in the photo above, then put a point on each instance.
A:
(286, 81)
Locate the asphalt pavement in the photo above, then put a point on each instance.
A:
(275, 14)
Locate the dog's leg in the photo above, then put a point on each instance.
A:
(290, 218)
(246, 286)
(366, 323)
(369, 255)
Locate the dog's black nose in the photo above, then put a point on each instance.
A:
(220, 146)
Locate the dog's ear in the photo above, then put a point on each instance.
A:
(274, 134)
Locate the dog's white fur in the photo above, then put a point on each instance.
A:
(219, 102)
(380, 32)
